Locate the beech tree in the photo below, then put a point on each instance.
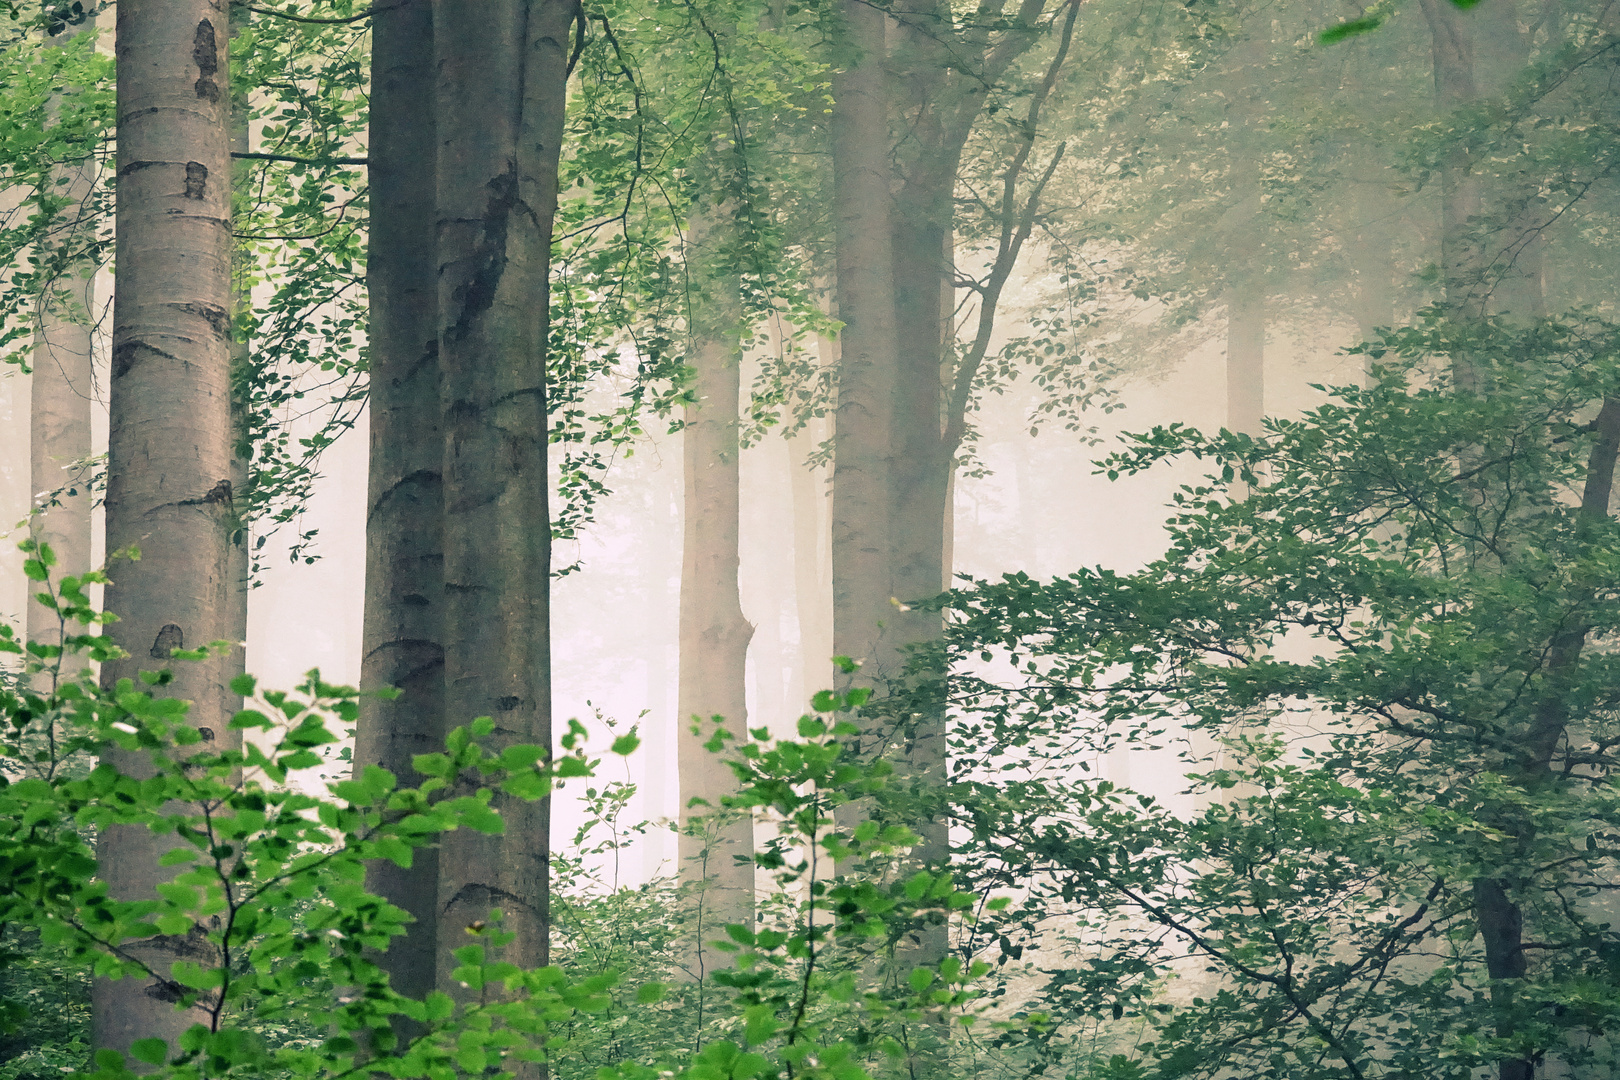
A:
(499, 115)
(405, 602)
(169, 493)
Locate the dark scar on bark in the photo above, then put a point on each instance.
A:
(205, 54)
(170, 638)
(196, 180)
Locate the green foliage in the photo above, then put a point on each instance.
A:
(1385, 632)
(268, 882)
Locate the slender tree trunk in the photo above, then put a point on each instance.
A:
(1452, 35)
(62, 392)
(502, 75)
(405, 602)
(1370, 264)
(1517, 253)
(169, 455)
(239, 570)
(812, 576)
(716, 849)
(1246, 357)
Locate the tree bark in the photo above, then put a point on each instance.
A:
(169, 453)
(716, 848)
(812, 575)
(405, 601)
(1499, 915)
(61, 394)
(502, 75)
(1246, 357)
(239, 567)
(867, 377)
(1452, 37)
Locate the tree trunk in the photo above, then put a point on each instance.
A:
(239, 566)
(62, 392)
(169, 453)
(1452, 35)
(1246, 357)
(405, 601)
(716, 849)
(812, 577)
(867, 376)
(502, 76)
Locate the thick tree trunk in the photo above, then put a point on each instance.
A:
(502, 75)
(61, 397)
(716, 848)
(405, 601)
(169, 455)
(867, 375)
(920, 481)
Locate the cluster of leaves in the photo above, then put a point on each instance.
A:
(661, 133)
(1383, 637)
(299, 217)
(56, 120)
(268, 887)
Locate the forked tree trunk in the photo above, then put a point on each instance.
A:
(502, 74)
(62, 393)
(405, 602)
(716, 848)
(169, 454)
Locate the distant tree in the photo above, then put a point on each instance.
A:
(62, 390)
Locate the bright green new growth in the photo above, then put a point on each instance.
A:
(271, 878)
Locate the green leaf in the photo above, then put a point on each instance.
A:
(1352, 28)
(572, 766)
(625, 745)
(650, 993)
(918, 885)
(151, 1051)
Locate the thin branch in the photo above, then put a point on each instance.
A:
(366, 14)
(247, 156)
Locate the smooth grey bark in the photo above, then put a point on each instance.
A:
(239, 568)
(716, 847)
(403, 635)
(169, 452)
(62, 392)
(862, 580)
(1246, 357)
(812, 572)
(1452, 41)
(502, 74)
